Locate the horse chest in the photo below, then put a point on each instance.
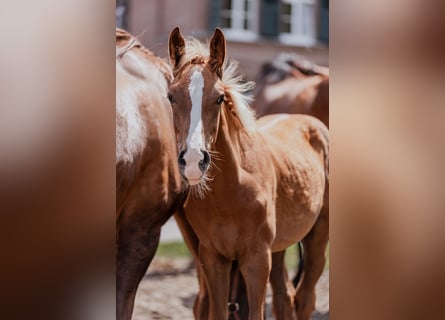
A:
(229, 227)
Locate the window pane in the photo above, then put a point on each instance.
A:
(308, 20)
(285, 17)
(246, 24)
(227, 4)
(286, 8)
(226, 22)
(285, 27)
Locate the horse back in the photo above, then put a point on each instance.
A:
(296, 136)
(291, 95)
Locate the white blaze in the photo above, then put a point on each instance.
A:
(195, 138)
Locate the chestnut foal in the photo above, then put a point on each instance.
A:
(257, 187)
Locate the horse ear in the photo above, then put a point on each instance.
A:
(217, 51)
(176, 46)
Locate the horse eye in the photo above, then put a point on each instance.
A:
(171, 98)
(220, 99)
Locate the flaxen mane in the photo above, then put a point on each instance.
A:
(234, 85)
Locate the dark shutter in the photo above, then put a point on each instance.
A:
(324, 21)
(269, 18)
(214, 17)
(122, 14)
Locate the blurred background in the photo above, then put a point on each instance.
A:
(256, 30)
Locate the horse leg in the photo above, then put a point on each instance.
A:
(240, 293)
(135, 250)
(314, 260)
(217, 275)
(256, 269)
(283, 290)
(201, 305)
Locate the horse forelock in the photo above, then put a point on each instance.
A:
(197, 52)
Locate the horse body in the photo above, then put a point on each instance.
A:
(293, 85)
(273, 176)
(300, 173)
(148, 184)
(262, 190)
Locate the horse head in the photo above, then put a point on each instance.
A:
(196, 96)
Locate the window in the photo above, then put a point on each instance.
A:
(239, 19)
(298, 19)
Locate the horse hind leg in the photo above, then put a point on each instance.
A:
(314, 260)
(238, 293)
(283, 290)
(201, 305)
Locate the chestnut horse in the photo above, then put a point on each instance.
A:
(257, 187)
(148, 183)
(292, 84)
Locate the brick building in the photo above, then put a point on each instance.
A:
(256, 30)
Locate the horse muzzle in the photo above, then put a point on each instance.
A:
(193, 165)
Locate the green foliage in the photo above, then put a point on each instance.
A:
(178, 249)
(175, 249)
(291, 257)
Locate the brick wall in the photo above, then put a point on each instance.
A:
(154, 19)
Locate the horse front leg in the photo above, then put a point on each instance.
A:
(216, 269)
(136, 247)
(201, 305)
(256, 268)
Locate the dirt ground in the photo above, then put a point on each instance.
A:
(169, 288)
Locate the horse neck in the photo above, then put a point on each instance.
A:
(231, 145)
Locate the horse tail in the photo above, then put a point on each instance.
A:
(297, 277)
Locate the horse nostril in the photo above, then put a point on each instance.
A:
(181, 160)
(204, 163)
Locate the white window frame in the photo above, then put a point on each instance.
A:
(237, 15)
(297, 20)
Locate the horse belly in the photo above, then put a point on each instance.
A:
(297, 209)
(293, 227)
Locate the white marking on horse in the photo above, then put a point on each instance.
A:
(195, 138)
(131, 134)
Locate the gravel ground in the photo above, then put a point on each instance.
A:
(169, 288)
